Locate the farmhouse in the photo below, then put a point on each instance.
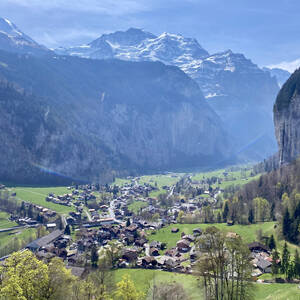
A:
(45, 240)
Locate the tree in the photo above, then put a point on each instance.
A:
(285, 260)
(68, 230)
(169, 291)
(251, 216)
(224, 266)
(225, 211)
(128, 222)
(24, 277)
(261, 209)
(60, 280)
(286, 224)
(297, 264)
(94, 256)
(126, 290)
(275, 259)
(271, 242)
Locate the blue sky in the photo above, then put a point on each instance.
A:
(265, 31)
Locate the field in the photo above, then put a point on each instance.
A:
(247, 232)
(37, 196)
(239, 177)
(143, 280)
(4, 222)
(136, 206)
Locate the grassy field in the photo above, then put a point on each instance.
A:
(136, 206)
(4, 222)
(143, 280)
(23, 236)
(247, 232)
(239, 177)
(277, 291)
(37, 196)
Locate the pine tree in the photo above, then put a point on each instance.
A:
(94, 256)
(285, 260)
(251, 216)
(297, 264)
(275, 266)
(271, 242)
(225, 211)
(286, 224)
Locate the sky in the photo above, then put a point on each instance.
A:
(266, 31)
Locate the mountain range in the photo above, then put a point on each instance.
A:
(129, 102)
(237, 89)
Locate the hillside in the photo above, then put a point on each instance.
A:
(138, 116)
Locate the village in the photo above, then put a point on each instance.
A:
(103, 220)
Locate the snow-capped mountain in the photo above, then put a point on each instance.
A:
(236, 88)
(13, 39)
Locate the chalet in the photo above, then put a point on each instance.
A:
(197, 231)
(183, 246)
(130, 254)
(258, 247)
(45, 240)
(153, 252)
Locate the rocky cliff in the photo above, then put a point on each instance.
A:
(287, 119)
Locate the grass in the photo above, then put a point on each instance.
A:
(143, 280)
(136, 206)
(5, 222)
(24, 235)
(277, 291)
(247, 232)
(37, 196)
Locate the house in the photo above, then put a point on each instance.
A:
(175, 230)
(258, 247)
(183, 246)
(45, 240)
(264, 265)
(197, 231)
(130, 255)
(153, 252)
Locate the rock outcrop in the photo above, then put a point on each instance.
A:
(287, 119)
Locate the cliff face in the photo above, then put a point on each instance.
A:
(287, 119)
(108, 117)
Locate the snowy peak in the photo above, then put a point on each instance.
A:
(131, 37)
(12, 39)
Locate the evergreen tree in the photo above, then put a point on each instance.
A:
(271, 242)
(68, 230)
(297, 264)
(275, 266)
(285, 260)
(128, 222)
(225, 211)
(94, 256)
(286, 224)
(251, 216)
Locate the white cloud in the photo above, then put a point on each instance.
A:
(290, 66)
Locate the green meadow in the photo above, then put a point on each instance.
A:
(37, 195)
